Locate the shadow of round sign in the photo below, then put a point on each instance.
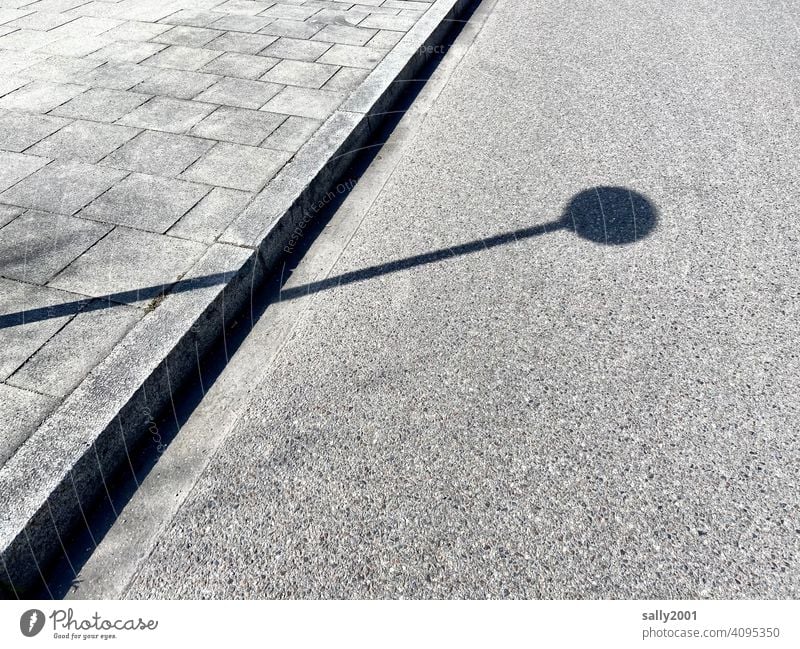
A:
(610, 215)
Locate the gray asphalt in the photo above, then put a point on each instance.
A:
(544, 415)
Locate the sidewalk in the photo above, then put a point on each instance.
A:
(151, 154)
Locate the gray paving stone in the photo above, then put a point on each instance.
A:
(353, 56)
(189, 36)
(84, 141)
(305, 102)
(292, 28)
(36, 246)
(191, 18)
(76, 46)
(41, 20)
(346, 79)
(179, 84)
(21, 334)
(12, 63)
(209, 218)
(85, 26)
(340, 17)
(240, 23)
(292, 134)
(26, 40)
(345, 34)
(300, 73)
(300, 50)
(62, 187)
(18, 131)
(40, 96)
(154, 152)
(117, 76)
(243, 7)
(385, 39)
(21, 412)
(288, 11)
(127, 264)
(166, 114)
(16, 166)
(10, 84)
(146, 202)
(179, 57)
(8, 213)
(242, 93)
(397, 23)
(62, 69)
(238, 125)
(241, 42)
(134, 30)
(56, 369)
(127, 51)
(101, 105)
(10, 13)
(237, 167)
(243, 66)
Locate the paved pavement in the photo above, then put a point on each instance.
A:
(132, 133)
(482, 401)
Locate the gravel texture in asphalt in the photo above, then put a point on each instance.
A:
(587, 396)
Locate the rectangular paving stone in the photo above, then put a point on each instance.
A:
(243, 66)
(86, 26)
(8, 213)
(397, 23)
(62, 69)
(305, 102)
(18, 131)
(41, 96)
(242, 93)
(21, 412)
(345, 35)
(42, 20)
(62, 187)
(241, 42)
(56, 369)
(101, 104)
(191, 18)
(237, 167)
(385, 39)
(209, 218)
(117, 76)
(292, 28)
(346, 79)
(292, 134)
(10, 84)
(240, 23)
(128, 51)
(300, 73)
(146, 202)
(16, 166)
(243, 7)
(154, 152)
(135, 30)
(84, 141)
(12, 63)
(292, 12)
(26, 40)
(76, 46)
(353, 56)
(180, 84)
(179, 57)
(36, 246)
(189, 36)
(238, 125)
(29, 316)
(300, 50)
(166, 114)
(130, 266)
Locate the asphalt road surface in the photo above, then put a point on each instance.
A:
(558, 357)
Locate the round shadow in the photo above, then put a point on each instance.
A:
(610, 215)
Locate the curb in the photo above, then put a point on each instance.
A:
(58, 473)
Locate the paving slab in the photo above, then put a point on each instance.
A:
(146, 135)
(21, 412)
